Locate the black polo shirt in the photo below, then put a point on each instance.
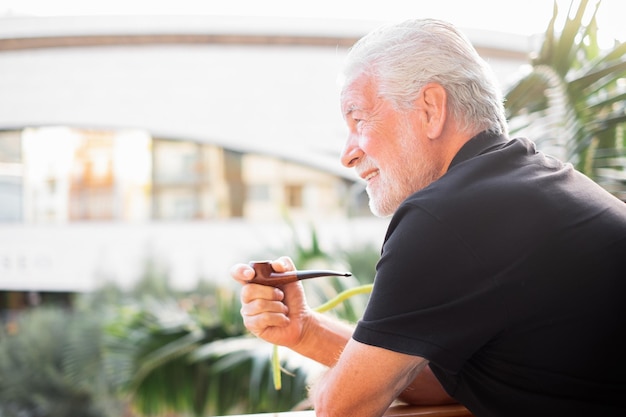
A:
(509, 275)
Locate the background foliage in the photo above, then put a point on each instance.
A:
(153, 351)
(572, 102)
(52, 366)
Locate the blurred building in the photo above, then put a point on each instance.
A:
(63, 175)
(187, 138)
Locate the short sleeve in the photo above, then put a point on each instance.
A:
(432, 296)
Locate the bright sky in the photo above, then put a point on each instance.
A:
(516, 16)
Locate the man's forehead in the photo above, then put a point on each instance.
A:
(356, 93)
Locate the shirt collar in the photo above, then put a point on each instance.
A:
(478, 145)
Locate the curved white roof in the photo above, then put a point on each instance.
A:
(265, 85)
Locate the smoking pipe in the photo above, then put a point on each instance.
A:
(265, 274)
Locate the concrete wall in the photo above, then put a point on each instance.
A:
(81, 257)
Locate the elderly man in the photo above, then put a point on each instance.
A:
(502, 278)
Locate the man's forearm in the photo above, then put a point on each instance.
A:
(324, 339)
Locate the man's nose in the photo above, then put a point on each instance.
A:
(351, 153)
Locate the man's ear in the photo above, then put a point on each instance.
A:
(435, 104)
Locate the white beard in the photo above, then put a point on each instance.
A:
(413, 170)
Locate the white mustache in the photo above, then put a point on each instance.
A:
(364, 166)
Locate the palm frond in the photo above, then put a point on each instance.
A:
(52, 366)
(572, 102)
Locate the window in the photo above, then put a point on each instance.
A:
(293, 195)
(259, 193)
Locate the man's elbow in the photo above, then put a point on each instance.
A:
(335, 406)
(328, 409)
(326, 404)
(323, 409)
(323, 405)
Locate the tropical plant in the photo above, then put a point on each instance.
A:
(51, 366)
(331, 295)
(360, 261)
(572, 102)
(191, 356)
(152, 350)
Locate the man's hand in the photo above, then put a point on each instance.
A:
(278, 315)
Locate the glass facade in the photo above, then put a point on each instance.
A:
(61, 174)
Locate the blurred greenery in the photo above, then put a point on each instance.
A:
(572, 102)
(172, 357)
(154, 351)
(51, 366)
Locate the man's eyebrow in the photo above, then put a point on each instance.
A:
(350, 109)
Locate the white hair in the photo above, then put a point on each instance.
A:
(404, 57)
